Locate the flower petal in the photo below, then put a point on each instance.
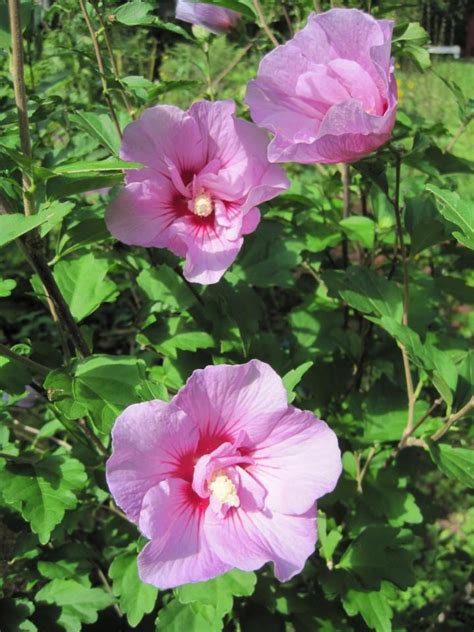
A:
(179, 552)
(135, 218)
(149, 442)
(226, 399)
(162, 131)
(297, 463)
(247, 540)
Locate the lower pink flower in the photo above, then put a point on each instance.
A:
(224, 476)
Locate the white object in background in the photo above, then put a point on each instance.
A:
(455, 51)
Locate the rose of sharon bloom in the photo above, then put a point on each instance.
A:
(224, 476)
(214, 19)
(205, 172)
(329, 95)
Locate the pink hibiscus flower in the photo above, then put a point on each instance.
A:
(215, 19)
(329, 95)
(224, 476)
(205, 173)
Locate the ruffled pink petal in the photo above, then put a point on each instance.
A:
(250, 221)
(339, 62)
(225, 400)
(179, 552)
(365, 32)
(247, 540)
(346, 134)
(252, 493)
(209, 254)
(135, 217)
(223, 457)
(216, 124)
(162, 132)
(149, 443)
(297, 463)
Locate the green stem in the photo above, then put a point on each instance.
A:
(406, 299)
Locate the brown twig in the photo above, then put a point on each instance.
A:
(35, 367)
(18, 75)
(241, 53)
(452, 420)
(346, 207)
(461, 129)
(362, 472)
(101, 66)
(346, 210)
(24, 429)
(408, 439)
(30, 244)
(286, 15)
(92, 437)
(264, 23)
(107, 587)
(113, 62)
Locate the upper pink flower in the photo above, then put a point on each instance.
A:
(214, 19)
(329, 95)
(205, 173)
(224, 476)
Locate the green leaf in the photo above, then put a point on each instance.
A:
(14, 615)
(366, 291)
(164, 285)
(360, 229)
(193, 617)
(219, 592)
(171, 27)
(241, 6)
(63, 186)
(84, 285)
(379, 553)
(6, 287)
(26, 13)
(15, 225)
(43, 491)
(327, 541)
(457, 212)
(410, 32)
(293, 378)
(372, 606)
(66, 569)
(267, 258)
(423, 223)
(97, 166)
(79, 604)
(106, 385)
(57, 211)
(100, 127)
(457, 463)
(136, 599)
(134, 13)
(176, 333)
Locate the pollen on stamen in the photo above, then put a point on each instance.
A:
(202, 205)
(223, 489)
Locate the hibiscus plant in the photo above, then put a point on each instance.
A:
(235, 373)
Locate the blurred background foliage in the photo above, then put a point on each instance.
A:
(315, 289)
